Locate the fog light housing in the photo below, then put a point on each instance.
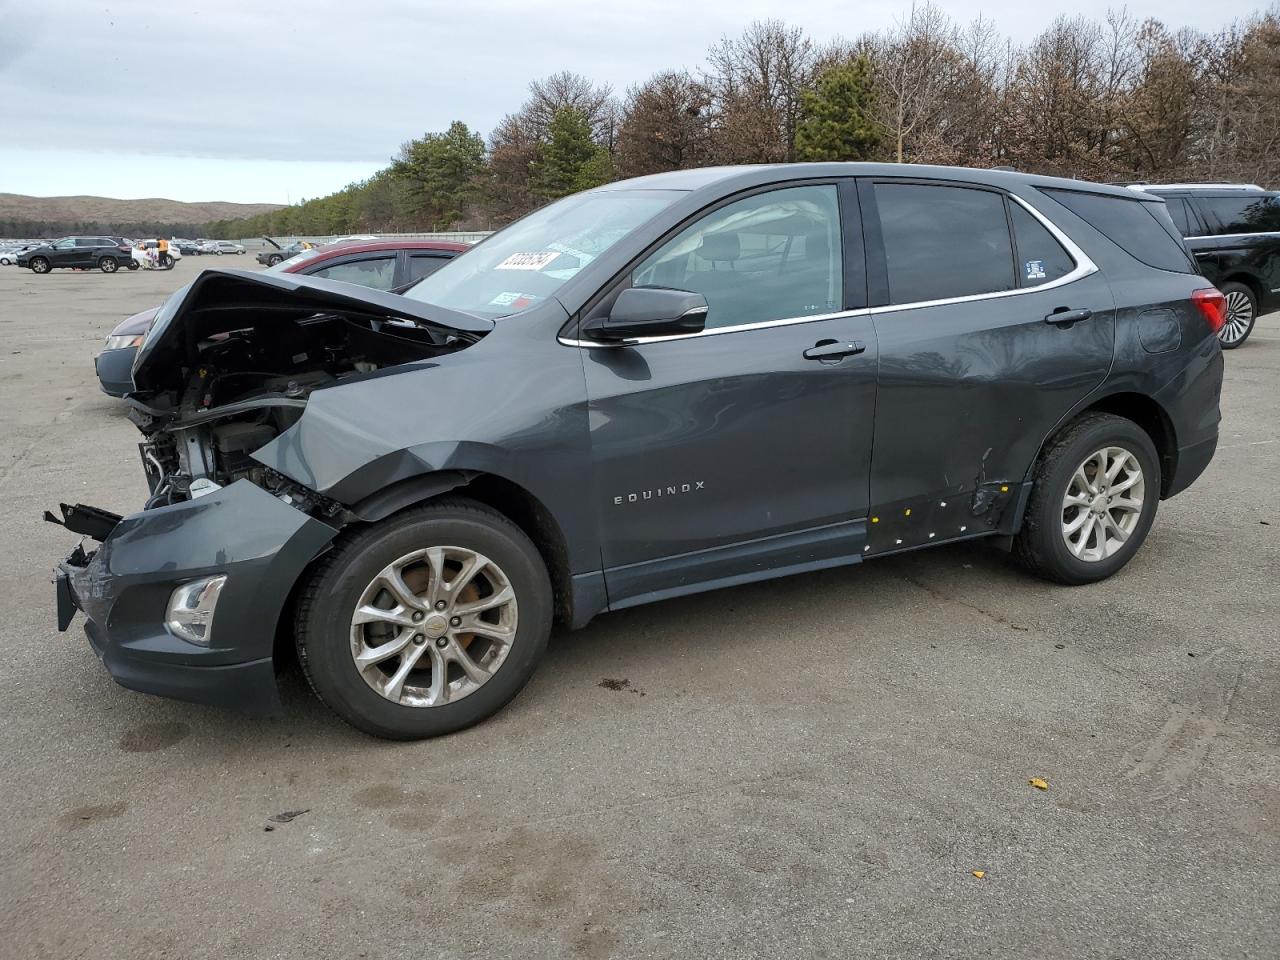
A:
(191, 606)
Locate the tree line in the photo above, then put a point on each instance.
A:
(1116, 99)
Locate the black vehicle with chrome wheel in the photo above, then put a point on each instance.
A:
(1233, 231)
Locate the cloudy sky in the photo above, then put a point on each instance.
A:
(263, 100)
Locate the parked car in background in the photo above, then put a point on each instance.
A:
(108, 254)
(382, 264)
(188, 248)
(219, 247)
(146, 253)
(276, 254)
(662, 386)
(1233, 231)
(9, 252)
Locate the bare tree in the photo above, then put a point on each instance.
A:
(666, 125)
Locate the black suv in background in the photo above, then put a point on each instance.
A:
(1233, 230)
(108, 254)
(662, 386)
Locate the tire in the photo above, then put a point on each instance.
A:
(108, 264)
(133, 264)
(5, 261)
(218, 252)
(1043, 545)
(272, 261)
(166, 262)
(40, 265)
(1242, 314)
(347, 577)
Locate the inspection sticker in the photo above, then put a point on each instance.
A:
(528, 261)
(1035, 269)
(511, 299)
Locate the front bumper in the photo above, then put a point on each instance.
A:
(261, 543)
(115, 370)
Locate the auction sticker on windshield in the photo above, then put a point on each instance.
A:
(528, 261)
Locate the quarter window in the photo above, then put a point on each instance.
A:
(771, 256)
(942, 242)
(1132, 224)
(1249, 214)
(1041, 258)
(424, 266)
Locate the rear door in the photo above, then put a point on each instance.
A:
(1245, 229)
(991, 325)
(742, 451)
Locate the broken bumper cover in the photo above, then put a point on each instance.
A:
(262, 545)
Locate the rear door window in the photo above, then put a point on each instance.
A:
(942, 242)
(1244, 214)
(1041, 258)
(1130, 225)
(1181, 215)
(378, 272)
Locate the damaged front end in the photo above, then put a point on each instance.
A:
(182, 598)
(230, 365)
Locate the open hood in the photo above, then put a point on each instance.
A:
(219, 301)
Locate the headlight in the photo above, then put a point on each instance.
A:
(191, 606)
(119, 343)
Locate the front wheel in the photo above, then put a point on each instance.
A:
(218, 252)
(40, 265)
(427, 622)
(272, 261)
(166, 262)
(108, 265)
(1242, 312)
(1093, 500)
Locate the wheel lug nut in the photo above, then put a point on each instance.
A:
(440, 604)
(417, 616)
(419, 639)
(455, 621)
(442, 642)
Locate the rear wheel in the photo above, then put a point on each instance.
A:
(1242, 312)
(39, 265)
(426, 623)
(108, 265)
(1093, 501)
(167, 262)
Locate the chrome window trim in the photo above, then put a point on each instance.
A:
(1234, 236)
(1084, 267)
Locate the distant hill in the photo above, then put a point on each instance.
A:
(44, 216)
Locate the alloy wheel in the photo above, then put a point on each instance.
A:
(1239, 317)
(433, 626)
(1103, 503)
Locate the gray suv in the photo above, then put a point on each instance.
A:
(659, 387)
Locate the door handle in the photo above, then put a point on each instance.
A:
(834, 349)
(1065, 317)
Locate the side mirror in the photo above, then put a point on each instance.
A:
(650, 312)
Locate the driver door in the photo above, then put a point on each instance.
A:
(743, 451)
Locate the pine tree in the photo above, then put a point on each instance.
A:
(837, 115)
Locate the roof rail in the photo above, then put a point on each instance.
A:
(1193, 186)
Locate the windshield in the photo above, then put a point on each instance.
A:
(530, 260)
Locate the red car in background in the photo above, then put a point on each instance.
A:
(392, 265)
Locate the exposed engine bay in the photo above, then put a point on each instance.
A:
(232, 376)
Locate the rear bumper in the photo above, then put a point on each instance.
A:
(262, 545)
(1192, 401)
(115, 370)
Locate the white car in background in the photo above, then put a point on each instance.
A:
(146, 253)
(219, 247)
(9, 252)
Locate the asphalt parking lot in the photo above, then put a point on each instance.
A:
(812, 767)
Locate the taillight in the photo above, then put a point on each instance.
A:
(1213, 305)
